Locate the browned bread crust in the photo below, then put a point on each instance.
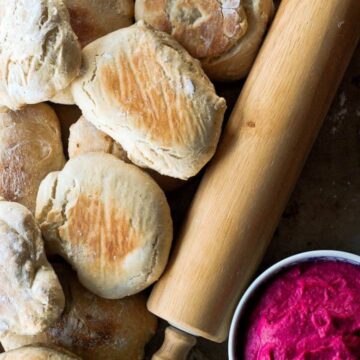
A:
(225, 35)
(95, 328)
(30, 148)
(92, 19)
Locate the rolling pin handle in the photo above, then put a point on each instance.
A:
(176, 346)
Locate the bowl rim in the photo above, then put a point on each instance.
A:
(272, 271)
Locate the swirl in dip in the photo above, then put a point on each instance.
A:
(309, 312)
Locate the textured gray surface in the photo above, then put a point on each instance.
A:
(324, 209)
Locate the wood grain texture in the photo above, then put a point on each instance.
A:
(264, 146)
(177, 345)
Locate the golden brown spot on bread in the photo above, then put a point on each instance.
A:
(105, 234)
(140, 86)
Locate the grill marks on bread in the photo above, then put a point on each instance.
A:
(109, 220)
(144, 90)
(111, 234)
(130, 84)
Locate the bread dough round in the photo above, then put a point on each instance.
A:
(206, 28)
(143, 89)
(85, 137)
(30, 148)
(40, 54)
(109, 220)
(31, 297)
(224, 34)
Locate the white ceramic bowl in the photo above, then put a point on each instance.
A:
(270, 273)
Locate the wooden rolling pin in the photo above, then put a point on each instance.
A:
(247, 185)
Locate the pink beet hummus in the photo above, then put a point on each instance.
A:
(309, 312)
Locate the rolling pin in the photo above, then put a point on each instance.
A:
(246, 187)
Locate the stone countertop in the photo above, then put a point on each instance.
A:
(324, 209)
